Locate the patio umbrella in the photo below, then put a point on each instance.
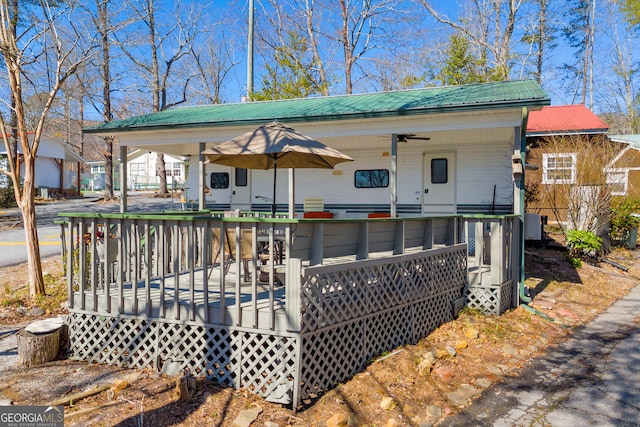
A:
(274, 146)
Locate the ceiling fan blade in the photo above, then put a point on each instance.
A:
(404, 137)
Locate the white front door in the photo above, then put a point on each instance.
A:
(439, 183)
(241, 189)
(219, 182)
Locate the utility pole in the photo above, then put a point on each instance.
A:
(250, 54)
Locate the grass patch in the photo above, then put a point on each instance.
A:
(56, 294)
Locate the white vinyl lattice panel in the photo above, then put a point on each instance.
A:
(355, 314)
(490, 299)
(265, 362)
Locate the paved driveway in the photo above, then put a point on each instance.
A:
(12, 240)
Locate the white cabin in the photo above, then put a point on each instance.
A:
(439, 150)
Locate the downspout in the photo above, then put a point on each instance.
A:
(394, 178)
(523, 153)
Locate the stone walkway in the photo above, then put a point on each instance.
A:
(591, 380)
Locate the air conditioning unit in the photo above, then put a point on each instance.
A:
(532, 227)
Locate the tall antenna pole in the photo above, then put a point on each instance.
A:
(250, 54)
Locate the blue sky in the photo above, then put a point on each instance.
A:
(231, 16)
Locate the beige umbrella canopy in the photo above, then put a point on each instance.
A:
(274, 146)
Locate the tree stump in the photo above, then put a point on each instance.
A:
(41, 342)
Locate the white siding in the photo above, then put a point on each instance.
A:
(47, 173)
(481, 167)
(483, 159)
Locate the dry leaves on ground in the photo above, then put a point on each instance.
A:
(396, 389)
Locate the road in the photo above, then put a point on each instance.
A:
(12, 240)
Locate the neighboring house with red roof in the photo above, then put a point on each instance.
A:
(568, 156)
(564, 120)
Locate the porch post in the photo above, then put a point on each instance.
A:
(292, 192)
(79, 179)
(393, 178)
(202, 178)
(123, 179)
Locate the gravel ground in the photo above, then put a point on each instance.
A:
(9, 347)
(42, 384)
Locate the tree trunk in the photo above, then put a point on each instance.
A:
(161, 171)
(104, 30)
(27, 203)
(108, 168)
(36, 349)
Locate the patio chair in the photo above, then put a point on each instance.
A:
(246, 253)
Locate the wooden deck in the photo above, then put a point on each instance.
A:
(158, 299)
(175, 293)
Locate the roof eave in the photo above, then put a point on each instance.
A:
(568, 132)
(529, 103)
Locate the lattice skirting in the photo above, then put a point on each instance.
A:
(264, 363)
(490, 299)
(334, 354)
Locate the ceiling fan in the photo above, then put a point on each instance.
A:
(405, 137)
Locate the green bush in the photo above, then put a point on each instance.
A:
(575, 262)
(623, 219)
(583, 243)
(7, 198)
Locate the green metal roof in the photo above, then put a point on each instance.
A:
(511, 94)
(633, 139)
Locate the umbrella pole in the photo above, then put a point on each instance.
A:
(275, 177)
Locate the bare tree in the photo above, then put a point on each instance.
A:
(214, 60)
(157, 57)
(312, 35)
(490, 26)
(618, 87)
(360, 31)
(343, 37)
(292, 52)
(41, 37)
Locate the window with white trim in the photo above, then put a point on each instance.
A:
(4, 180)
(559, 168)
(97, 169)
(618, 181)
(174, 169)
(137, 169)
